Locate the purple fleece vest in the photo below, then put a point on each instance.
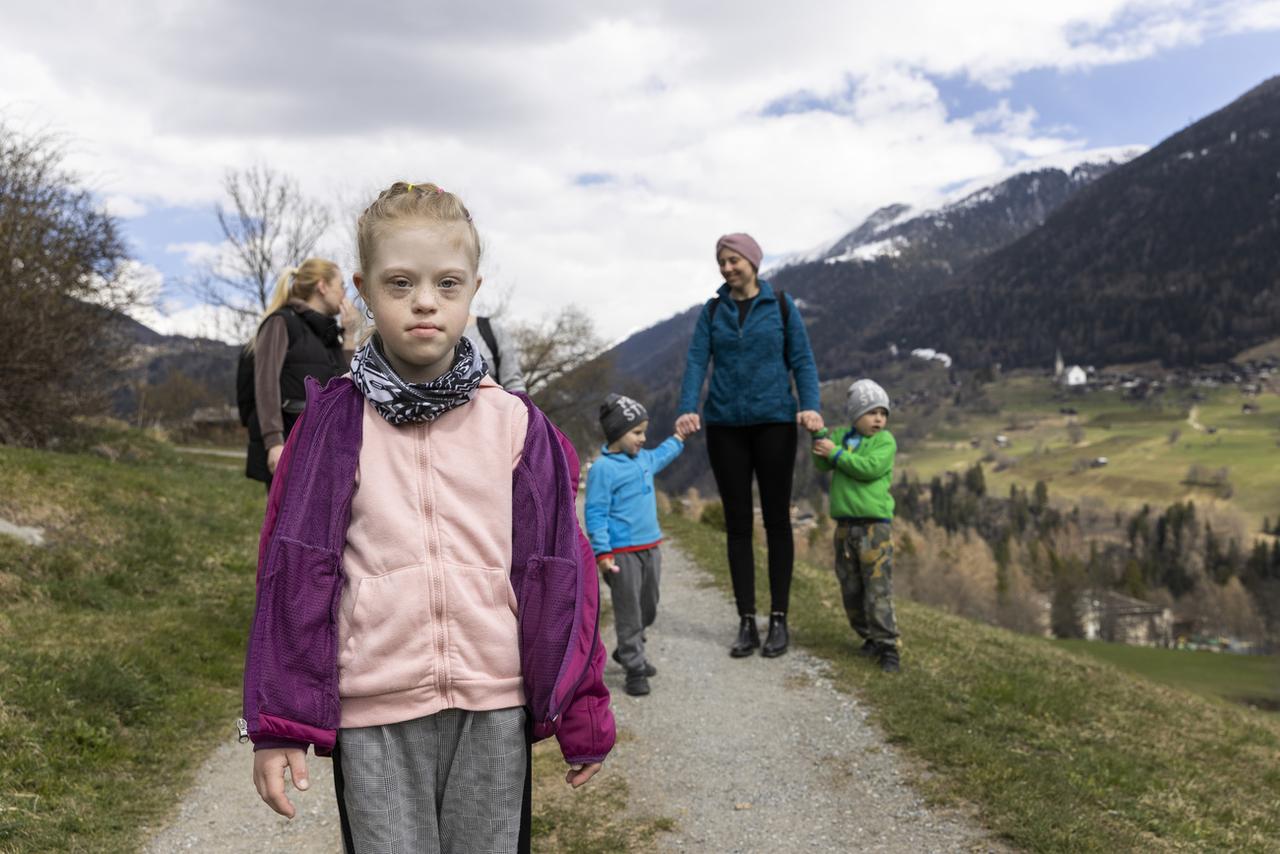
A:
(291, 672)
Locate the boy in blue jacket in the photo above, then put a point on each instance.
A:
(622, 524)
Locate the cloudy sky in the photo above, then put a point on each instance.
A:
(603, 146)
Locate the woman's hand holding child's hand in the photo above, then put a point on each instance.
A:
(579, 773)
(810, 420)
(688, 424)
(823, 447)
(606, 563)
(268, 776)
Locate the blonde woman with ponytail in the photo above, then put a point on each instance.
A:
(298, 336)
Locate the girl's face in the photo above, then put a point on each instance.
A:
(419, 290)
(737, 271)
(871, 423)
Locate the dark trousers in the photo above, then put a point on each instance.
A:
(766, 452)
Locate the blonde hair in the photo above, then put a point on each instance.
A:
(409, 201)
(297, 283)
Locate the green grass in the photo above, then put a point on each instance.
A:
(1239, 678)
(590, 820)
(122, 649)
(1144, 465)
(120, 640)
(1056, 750)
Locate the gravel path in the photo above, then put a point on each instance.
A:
(222, 814)
(745, 754)
(761, 754)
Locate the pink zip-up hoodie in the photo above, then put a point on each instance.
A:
(428, 615)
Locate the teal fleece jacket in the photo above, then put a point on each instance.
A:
(621, 508)
(750, 383)
(863, 467)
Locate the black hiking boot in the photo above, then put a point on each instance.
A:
(889, 658)
(748, 638)
(776, 643)
(649, 669)
(637, 684)
(868, 649)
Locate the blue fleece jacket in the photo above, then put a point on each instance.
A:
(749, 381)
(621, 507)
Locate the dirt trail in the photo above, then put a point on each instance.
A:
(744, 754)
(761, 754)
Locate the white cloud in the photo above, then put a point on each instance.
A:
(124, 207)
(508, 104)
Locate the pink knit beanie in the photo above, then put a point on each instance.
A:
(744, 244)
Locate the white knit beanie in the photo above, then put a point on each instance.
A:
(864, 396)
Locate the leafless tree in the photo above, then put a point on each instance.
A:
(268, 225)
(61, 286)
(566, 370)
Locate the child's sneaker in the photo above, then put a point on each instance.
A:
(889, 659)
(868, 649)
(649, 669)
(637, 684)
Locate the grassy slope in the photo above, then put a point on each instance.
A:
(121, 650)
(1143, 465)
(1058, 751)
(1243, 678)
(121, 641)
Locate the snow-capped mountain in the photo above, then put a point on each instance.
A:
(975, 219)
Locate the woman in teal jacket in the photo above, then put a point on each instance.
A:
(755, 341)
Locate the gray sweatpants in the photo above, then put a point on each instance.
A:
(448, 783)
(634, 590)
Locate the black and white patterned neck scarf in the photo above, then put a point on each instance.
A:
(402, 402)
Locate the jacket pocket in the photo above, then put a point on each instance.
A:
(484, 643)
(297, 635)
(548, 616)
(389, 641)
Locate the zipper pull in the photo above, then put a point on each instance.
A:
(242, 727)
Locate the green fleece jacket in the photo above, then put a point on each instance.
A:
(863, 474)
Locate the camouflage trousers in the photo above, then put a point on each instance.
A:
(864, 566)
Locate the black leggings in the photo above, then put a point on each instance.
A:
(768, 451)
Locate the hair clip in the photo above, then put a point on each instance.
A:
(409, 188)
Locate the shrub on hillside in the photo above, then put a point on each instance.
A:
(61, 283)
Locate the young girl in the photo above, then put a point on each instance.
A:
(425, 594)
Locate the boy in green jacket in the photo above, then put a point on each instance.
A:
(862, 458)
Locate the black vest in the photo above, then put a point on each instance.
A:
(315, 350)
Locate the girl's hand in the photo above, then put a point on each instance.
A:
(810, 420)
(688, 424)
(606, 563)
(273, 458)
(268, 776)
(579, 773)
(349, 317)
(823, 447)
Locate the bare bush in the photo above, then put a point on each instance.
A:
(61, 285)
(268, 226)
(566, 371)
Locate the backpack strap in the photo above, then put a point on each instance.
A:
(784, 309)
(491, 341)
